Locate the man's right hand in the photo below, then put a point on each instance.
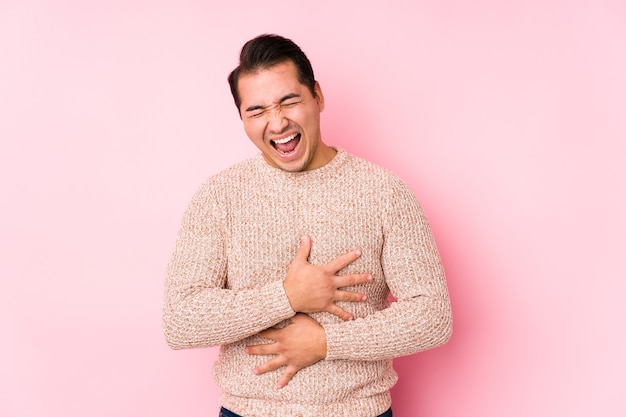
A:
(315, 288)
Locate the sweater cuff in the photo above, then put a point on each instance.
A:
(337, 345)
(276, 301)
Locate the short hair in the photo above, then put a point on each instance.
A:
(264, 52)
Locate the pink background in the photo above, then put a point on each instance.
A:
(506, 118)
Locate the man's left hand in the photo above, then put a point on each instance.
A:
(299, 344)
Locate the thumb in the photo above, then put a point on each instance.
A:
(304, 250)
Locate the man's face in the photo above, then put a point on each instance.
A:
(282, 118)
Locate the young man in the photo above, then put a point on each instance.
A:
(287, 260)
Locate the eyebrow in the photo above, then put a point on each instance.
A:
(283, 99)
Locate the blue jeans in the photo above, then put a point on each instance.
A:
(227, 413)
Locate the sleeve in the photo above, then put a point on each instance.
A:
(421, 317)
(198, 311)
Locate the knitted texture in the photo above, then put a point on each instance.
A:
(225, 282)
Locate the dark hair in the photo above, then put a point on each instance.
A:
(265, 51)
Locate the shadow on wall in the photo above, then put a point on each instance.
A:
(434, 382)
(427, 379)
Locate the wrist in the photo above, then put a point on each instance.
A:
(290, 297)
(322, 343)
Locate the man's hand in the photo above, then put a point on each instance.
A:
(313, 288)
(298, 345)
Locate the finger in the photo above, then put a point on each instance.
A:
(352, 279)
(298, 317)
(344, 260)
(304, 250)
(270, 365)
(263, 349)
(339, 312)
(349, 296)
(289, 373)
(270, 333)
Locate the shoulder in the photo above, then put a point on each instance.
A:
(231, 178)
(384, 190)
(216, 192)
(374, 175)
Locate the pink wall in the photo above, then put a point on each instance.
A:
(506, 118)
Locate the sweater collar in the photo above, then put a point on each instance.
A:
(331, 166)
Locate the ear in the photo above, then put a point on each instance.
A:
(319, 96)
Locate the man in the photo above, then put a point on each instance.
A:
(287, 260)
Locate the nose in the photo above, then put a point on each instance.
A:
(276, 122)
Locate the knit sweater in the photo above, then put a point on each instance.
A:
(225, 282)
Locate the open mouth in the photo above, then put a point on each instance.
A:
(286, 145)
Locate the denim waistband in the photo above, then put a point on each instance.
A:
(227, 413)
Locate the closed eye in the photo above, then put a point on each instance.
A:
(291, 104)
(289, 101)
(257, 114)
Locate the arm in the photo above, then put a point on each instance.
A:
(199, 311)
(421, 318)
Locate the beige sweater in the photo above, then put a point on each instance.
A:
(224, 282)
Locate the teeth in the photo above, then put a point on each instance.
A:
(285, 140)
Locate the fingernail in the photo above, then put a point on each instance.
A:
(358, 252)
(256, 371)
